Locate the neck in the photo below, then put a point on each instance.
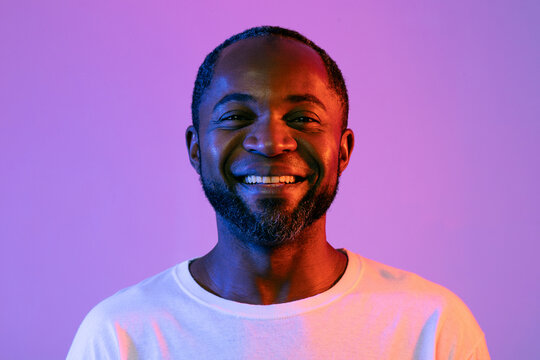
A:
(245, 272)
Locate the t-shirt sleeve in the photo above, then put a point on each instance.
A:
(95, 339)
(480, 351)
(459, 335)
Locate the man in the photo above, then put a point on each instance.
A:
(270, 140)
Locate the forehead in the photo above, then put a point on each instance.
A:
(270, 64)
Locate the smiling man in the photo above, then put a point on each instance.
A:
(269, 141)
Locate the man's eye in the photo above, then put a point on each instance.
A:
(234, 117)
(234, 120)
(303, 119)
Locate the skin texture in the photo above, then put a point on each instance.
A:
(286, 121)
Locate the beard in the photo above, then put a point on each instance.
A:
(273, 226)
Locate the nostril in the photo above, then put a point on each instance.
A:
(269, 143)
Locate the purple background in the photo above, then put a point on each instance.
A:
(96, 191)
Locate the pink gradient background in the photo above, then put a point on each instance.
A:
(96, 191)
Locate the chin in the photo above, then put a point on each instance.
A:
(274, 223)
(273, 206)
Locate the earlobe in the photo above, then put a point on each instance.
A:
(192, 142)
(345, 149)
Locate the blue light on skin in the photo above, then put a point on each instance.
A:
(270, 111)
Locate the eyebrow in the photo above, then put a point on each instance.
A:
(234, 97)
(305, 98)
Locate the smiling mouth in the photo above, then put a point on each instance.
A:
(271, 180)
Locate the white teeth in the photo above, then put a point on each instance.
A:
(254, 179)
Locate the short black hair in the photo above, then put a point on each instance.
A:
(206, 70)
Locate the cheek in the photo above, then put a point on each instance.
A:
(332, 162)
(217, 150)
(323, 152)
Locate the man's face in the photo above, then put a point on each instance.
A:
(270, 144)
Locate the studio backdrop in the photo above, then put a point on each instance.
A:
(97, 193)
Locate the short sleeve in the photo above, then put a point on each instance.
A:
(459, 335)
(480, 351)
(95, 339)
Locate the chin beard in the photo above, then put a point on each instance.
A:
(272, 226)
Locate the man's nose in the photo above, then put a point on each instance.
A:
(269, 137)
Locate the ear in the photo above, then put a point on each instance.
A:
(345, 149)
(192, 142)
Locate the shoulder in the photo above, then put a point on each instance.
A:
(409, 288)
(381, 278)
(432, 306)
(146, 295)
(98, 334)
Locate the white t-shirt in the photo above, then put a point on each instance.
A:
(373, 312)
